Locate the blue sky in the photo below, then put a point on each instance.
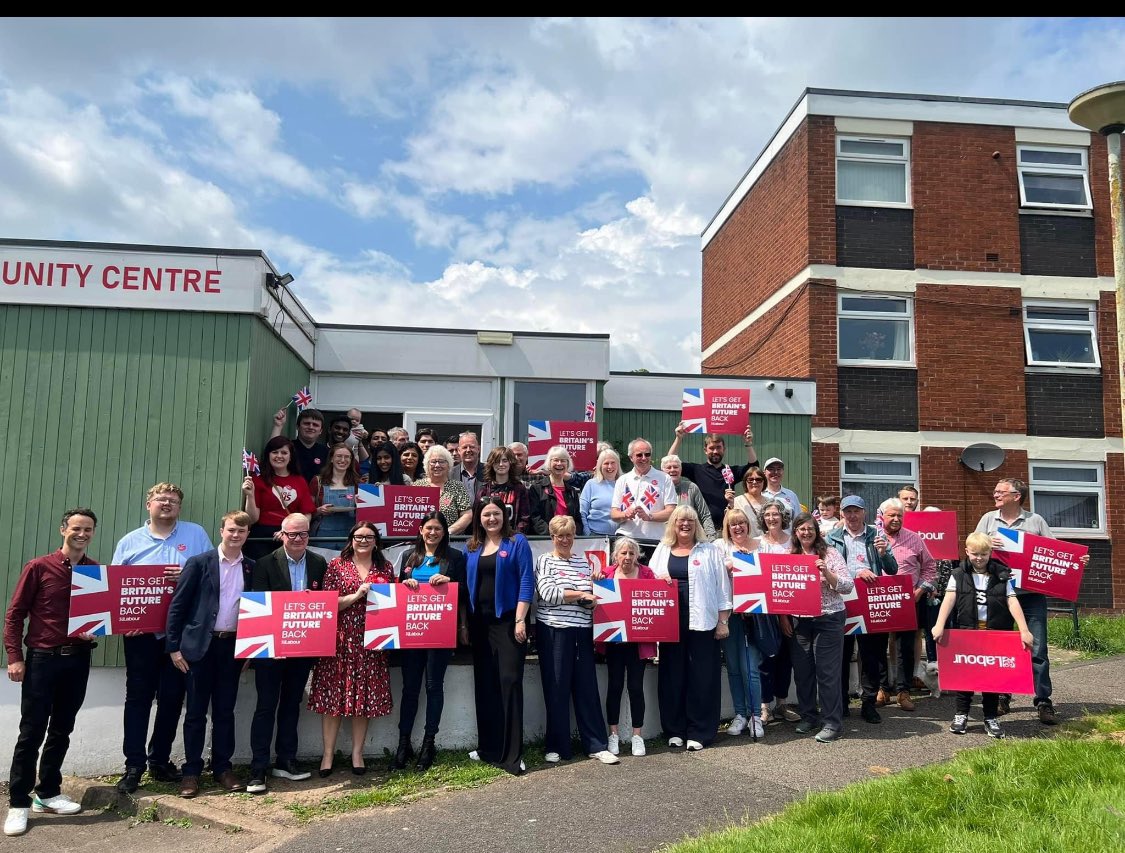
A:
(550, 174)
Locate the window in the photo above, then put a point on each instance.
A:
(546, 401)
(874, 329)
(1061, 334)
(872, 171)
(1053, 177)
(1070, 496)
(876, 478)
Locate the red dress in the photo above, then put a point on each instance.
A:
(355, 683)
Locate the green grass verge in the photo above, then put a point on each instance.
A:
(1060, 795)
(1098, 636)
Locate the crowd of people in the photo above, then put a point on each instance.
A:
(685, 524)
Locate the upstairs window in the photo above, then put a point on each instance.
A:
(1061, 334)
(872, 171)
(1070, 496)
(875, 330)
(1053, 177)
(876, 478)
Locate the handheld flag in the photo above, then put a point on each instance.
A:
(591, 412)
(250, 463)
(303, 398)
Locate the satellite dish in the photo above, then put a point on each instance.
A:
(982, 457)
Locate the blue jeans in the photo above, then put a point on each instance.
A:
(1034, 606)
(566, 666)
(743, 660)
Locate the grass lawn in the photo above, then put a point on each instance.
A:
(1065, 794)
(1098, 636)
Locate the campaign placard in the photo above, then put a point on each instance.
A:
(776, 583)
(117, 599)
(1041, 564)
(879, 606)
(402, 618)
(636, 611)
(721, 411)
(986, 661)
(287, 624)
(396, 511)
(938, 530)
(580, 438)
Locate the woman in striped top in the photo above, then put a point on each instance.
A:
(565, 638)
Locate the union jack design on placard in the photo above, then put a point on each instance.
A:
(372, 496)
(540, 439)
(746, 565)
(695, 410)
(627, 499)
(90, 601)
(303, 398)
(611, 622)
(259, 639)
(382, 597)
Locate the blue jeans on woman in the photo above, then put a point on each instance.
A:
(743, 660)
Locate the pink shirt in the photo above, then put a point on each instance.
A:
(913, 556)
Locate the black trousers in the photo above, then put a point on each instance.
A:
(281, 687)
(53, 689)
(498, 688)
(150, 675)
(624, 667)
(212, 685)
(566, 667)
(990, 702)
(689, 682)
(872, 662)
(418, 665)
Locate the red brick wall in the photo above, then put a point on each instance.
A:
(825, 470)
(822, 189)
(1103, 217)
(970, 359)
(966, 203)
(1115, 522)
(1107, 350)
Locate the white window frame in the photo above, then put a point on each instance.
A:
(893, 481)
(1097, 489)
(851, 314)
(1053, 169)
(874, 158)
(518, 432)
(1090, 324)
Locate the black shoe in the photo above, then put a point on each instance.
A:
(1003, 705)
(869, 714)
(257, 783)
(404, 753)
(359, 769)
(129, 783)
(325, 772)
(426, 754)
(165, 772)
(290, 770)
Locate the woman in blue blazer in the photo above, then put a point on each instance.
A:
(500, 575)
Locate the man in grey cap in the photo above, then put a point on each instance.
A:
(867, 554)
(775, 472)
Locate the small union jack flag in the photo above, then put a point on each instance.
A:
(250, 463)
(303, 398)
(650, 497)
(728, 475)
(591, 412)
(626, 499)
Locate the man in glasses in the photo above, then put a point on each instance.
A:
(1008, 497)
(149, 674)
(714, 477)
(281, 683)
(644, 498)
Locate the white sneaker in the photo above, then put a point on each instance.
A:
(674, 742)
(694, 746)
(16, 821)
(638, 745)
(737, 725)
(758, 729)
(59, 804)
(605, 757)
(552, 758)
(614, 745)
(474, 756)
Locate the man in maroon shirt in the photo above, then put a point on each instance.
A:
(53, 673)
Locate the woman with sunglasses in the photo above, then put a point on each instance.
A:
(356, 683)
(752, 501)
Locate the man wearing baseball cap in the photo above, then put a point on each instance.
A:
(867, 554)
(774, 490)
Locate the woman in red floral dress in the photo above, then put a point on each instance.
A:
(355, 683)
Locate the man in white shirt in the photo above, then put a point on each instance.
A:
(644, 498)
(775, 472)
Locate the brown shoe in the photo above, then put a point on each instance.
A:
(189, 787)
(1047, 715)
(229, 782)
(904, 701)
(881, 698)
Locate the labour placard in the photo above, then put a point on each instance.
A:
(938, 530)
(402, 618)
(722, 411)
(396, 511)
(1041, 564)
(776, 583)
(287, 624)
(985, 661)
(117, 599)
(879, 606)
(579, 438)
(636, 611)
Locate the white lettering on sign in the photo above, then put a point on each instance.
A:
(1002, 661)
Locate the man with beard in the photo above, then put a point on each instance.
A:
(714, 477)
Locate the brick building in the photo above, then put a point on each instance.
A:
(943, 267)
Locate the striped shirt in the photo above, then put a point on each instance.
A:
(555, 576)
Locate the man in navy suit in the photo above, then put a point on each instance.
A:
(281, 683)
(202, 620)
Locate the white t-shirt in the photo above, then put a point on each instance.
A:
(653, 491)
(980, 581)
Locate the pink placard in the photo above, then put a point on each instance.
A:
(985, 661)
(776, 583)
(938, 530)
(636, 611)
(721, 411)
(579, 438)
(116, 599)
(287, 625)
(1041, 564)
(879, 606)
(401, 618)
(396, 511)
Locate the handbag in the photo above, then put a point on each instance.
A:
(765, 634)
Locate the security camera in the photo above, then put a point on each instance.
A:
(995, 155)
(770, 386)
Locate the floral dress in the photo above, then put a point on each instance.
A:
(355, 683)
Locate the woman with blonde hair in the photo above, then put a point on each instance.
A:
(596, 499)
